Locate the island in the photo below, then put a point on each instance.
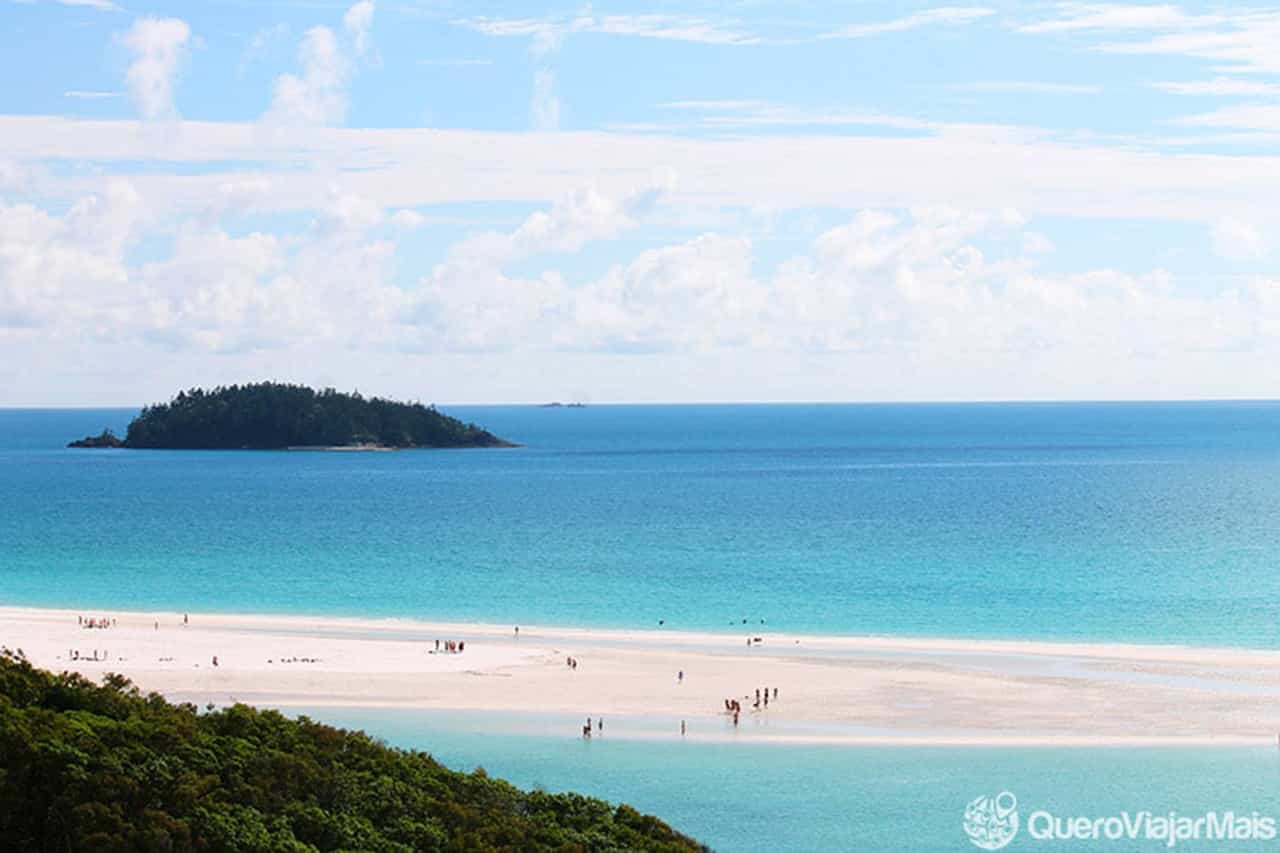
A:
(104, 767)
(106, 438)
(277, 416)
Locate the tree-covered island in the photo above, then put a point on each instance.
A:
(275, 416)
(105, 768)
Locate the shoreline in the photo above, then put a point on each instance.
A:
(834, 690)
(774, 641)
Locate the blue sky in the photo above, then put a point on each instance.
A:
(482, 202)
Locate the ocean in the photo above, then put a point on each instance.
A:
(1151, 522)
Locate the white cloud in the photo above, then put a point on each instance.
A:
(1075, 17)
(318, 95)
(101, 5)
(1220, 87)
(549, 33)
(68, 269)
(1239, 241)
(914, 287)
(83, 95)
(945, 16)
(399, 167)
(545, 106)
(1028, 87)
(407, 219)
(357, 21)
(1257, 117)
(941, 293)
(1239, 39)
(158, 46)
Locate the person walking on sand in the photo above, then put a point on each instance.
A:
(680, 677)
(682, 728)
(186, 619)
(517, 632)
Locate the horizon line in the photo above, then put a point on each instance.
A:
(993, 401)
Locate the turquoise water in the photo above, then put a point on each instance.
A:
(760, 797)
(1144, 522)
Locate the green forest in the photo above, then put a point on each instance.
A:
(272, 416)
(105, 768)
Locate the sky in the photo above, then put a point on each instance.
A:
(476, 202)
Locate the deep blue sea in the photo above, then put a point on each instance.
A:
(1141, 522)
(1146, 522)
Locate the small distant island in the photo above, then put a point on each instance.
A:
(106, 438)
(276, 416)
(558, 405)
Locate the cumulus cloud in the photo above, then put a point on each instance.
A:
(158, 46)
(1239, 241)
(69, 269)
(357, 21)
(317, 95)
(932, 287)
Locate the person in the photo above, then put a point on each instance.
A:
(517, 632)
(766, 697)
(600, 725)
(735, 719)
(775, 694)
(215, 660)
(157, 624)
(437, 645)
(462, 644)
(682, 729)
(185, 619)
(680, 676)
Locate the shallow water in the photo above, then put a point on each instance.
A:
(767, 797)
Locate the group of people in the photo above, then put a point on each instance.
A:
(452, 647)
(572, 663)
(734, 707)
(74, 654)
(95, 622)
(586, 730)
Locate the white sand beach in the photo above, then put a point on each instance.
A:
(856, 690)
